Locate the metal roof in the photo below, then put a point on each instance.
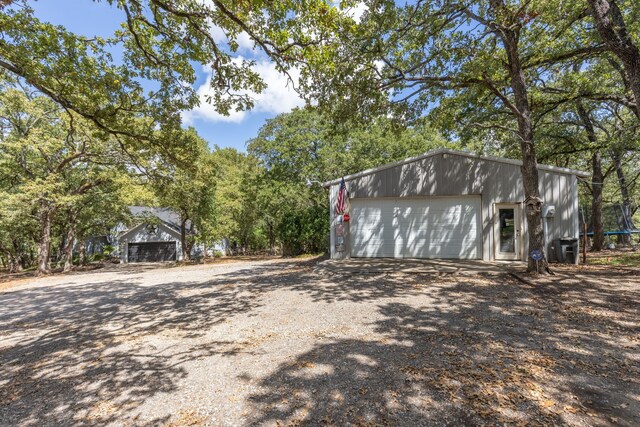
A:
(170, 217)
(556, 169)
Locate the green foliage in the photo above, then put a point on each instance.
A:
(262, 200)
(189, 189)
(159, 44)
(81, 138)
(97, 257)
(307, 145)
(237, 218)
(59, 175)
(314, 236)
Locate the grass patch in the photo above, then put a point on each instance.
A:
(307, 256)
(629, 260)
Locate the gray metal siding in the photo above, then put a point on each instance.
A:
(449, 175)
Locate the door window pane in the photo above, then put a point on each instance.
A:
(507, 230)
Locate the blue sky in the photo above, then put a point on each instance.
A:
(90, 18)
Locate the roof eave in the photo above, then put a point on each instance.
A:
(456, 153)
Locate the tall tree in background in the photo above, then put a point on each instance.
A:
(305, 144)
(597, 177)
(613, 29)
(489, 71)
(308, 144)
(189, 190)
(622, 131)
(94, 213)
(237, 217)
(52, 162)
(494, 52)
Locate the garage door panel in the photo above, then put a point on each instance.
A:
(151, 251)
(416, 228)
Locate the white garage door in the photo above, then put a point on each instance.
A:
(433, 227)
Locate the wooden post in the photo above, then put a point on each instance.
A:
(584, 243)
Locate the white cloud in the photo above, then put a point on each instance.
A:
(218, 34)
(354, 12)
(278, 97)
(357, 11)
(245, 42)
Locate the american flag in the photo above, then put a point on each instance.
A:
(343, 199)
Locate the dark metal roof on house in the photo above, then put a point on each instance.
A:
(166, 215)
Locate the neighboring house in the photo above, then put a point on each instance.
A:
(153, 237)
(449, 204)
(156, 238)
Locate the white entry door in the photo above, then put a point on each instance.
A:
(506, 231)
(429, 227)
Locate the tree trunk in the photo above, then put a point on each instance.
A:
(18, 256)
(44, 242)
(82, 251)
(525, 132)
(68, 249)
(624, 188)
(622, 181)
(59, 254)
(272, 238)
(14, 264)
(597, 180)
(596, 203)
(186, 252)
(613, 31)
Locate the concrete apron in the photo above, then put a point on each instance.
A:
(423, 266)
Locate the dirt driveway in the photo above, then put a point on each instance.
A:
(288, 343)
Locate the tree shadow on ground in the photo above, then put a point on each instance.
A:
(76, 354)
(477, 354)
(459, 350)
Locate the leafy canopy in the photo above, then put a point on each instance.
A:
(146, 68)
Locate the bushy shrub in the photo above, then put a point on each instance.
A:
(97, 257)
(304, 231)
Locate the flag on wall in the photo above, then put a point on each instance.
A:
(342, 204)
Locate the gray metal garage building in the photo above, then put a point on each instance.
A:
(449, 204)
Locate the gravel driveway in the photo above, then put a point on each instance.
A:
(282, 342)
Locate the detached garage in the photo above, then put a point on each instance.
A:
(448, 204)
(150, 243)
(155, 238)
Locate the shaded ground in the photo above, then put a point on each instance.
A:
(369, 266)
(8, 280)
(619, 257)
(284, 343)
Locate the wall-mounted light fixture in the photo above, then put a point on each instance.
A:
(549, 211)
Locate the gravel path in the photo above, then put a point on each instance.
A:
(280, 342)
